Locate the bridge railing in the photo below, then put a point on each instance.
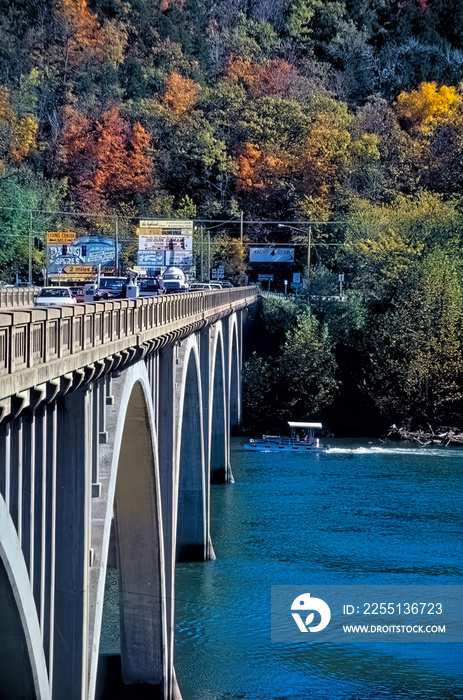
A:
(36, 336)
(12, 296)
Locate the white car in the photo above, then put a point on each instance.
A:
(199, 287)
(55, 296)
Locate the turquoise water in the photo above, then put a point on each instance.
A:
(365, 513)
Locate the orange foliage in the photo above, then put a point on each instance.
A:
(174, 4)
(247, 167)
(85, 35)
(75, 135)
(105, 160)
(18, 136)
(257, 169)
(180, 94)
(275, 77)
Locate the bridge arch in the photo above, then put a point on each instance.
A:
(190, 520)
(134, 500)
(218, 434)
(234, 375)
(23, 670)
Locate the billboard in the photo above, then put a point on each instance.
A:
(87, 251)
(152, 258)
(170, 242)
(165, 242)
(184, 227)
(271, 254)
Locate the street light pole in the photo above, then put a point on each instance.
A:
(309, 241)
(30, 250)
(309, 247)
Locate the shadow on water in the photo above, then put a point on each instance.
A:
(110, 686)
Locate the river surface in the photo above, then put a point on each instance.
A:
(364, 513)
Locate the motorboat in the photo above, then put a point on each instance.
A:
(301, 439)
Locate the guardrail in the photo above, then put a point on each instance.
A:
(12, 296)
(30, 338)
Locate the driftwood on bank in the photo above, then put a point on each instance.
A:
(441, 436)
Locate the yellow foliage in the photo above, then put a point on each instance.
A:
(389, 249)
(428, 105)
(19, 136)
(24, 138)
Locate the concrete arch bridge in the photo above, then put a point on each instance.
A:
(115, 419)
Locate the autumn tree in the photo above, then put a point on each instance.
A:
(421, 109)
(106, 160)
(180, 94)
(18, 135)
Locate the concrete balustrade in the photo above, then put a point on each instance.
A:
(55, 337)
(10, 297)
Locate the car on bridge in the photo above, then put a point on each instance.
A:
(55, 296)
(199, 287)
(150, 286)
(174, 280)
(110, 287)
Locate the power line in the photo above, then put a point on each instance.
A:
(199, 221)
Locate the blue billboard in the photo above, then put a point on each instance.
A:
(88, 250)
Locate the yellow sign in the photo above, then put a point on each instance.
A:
(149, 231)
(66, 237)
(79, 269)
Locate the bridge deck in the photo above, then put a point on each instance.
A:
(38, 346)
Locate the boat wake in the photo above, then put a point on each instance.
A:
(418, 451)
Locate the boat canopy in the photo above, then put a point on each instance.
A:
(297, 424)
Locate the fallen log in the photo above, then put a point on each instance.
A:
(441, 436)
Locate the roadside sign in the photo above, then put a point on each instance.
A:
(79, 269)
(221, 272)
(214, 273)
(64, 237)
(265, 278)
(108, 270)
(296, 277)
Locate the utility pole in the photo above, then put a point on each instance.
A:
(208, 255)
(202, 253)
(309, 246)
(241, 228)
(30, 250)
(116, 258)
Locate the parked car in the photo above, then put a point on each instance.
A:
(215, 285)
(199, 287)
(150, 286)
(55, 296)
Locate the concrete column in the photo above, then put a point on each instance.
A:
(166, 423)
(28, 501)
(73, 488)
(38, 581)
(5, 461)
(16, 474)
(49, 517)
